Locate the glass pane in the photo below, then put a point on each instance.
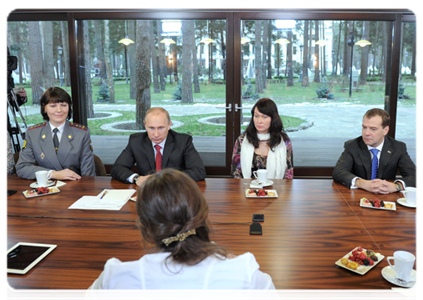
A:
(406, 110)
(321, 81)
(39, 59)
(137, 64)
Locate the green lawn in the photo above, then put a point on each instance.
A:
(190, 124)
(371, 93)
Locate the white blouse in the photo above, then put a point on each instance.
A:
(151, 272)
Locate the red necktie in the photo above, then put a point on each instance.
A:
(158, 158)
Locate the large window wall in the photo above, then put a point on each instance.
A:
(207, 68)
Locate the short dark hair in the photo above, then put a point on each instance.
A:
(55, 95)
(277, 132)
(168, 203)
(386, 119)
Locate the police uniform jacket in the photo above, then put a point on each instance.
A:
(74, 153)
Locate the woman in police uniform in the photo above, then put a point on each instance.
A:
(57, 145)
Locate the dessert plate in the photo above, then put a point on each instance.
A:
(403, 202)
(249, 193)
(361, 269)
(365, 203)
(32, 193)
(389, 274)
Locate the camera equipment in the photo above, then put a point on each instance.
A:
(14, 101)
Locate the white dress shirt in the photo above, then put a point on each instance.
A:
(378, 160)
(162, 144)
(153, 271)
(59, 137)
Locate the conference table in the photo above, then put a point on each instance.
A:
(309, 226)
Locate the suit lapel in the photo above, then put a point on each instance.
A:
(385, 156)
(65, 145)
(47, 147)
(365, 158)
(170, 142)
(149, 152)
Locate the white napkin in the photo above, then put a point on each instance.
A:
(408, 292)
(60, 183)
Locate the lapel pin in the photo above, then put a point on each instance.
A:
(44, 136)
(389, 151)
(42, 155)
(70, 136)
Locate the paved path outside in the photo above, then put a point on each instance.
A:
(334, 119)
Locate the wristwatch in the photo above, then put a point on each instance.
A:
(134, 180)
(398, 185)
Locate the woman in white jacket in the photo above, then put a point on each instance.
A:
(173, 216)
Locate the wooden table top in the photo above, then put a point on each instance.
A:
(312, 224)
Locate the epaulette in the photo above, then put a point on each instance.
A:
(37, 126)
(79, 126)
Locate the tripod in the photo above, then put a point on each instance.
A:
(12, 104)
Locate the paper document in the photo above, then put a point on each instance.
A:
(106, 200)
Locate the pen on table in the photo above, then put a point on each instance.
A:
(104, 194)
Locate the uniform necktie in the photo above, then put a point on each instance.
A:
(56, 139)
(158, 158)
(375, 164)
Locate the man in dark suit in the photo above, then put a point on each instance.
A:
(158, 148)
(354, 167)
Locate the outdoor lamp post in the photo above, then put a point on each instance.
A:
(126, 41)
(302, 63)
(333, 63)
(60, 51)
(351, 43)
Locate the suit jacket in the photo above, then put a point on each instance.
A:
(178, 153)
(75, 151)
(355, 161)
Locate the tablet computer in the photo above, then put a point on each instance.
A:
(22, 257)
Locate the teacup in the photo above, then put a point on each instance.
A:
(404, 262)
(261, 175)
(410, 195)
(41, 178)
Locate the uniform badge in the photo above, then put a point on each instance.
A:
(42, 155)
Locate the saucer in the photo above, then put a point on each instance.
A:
(403, 202)
(256, 184)
(389, 274)
(34, 185)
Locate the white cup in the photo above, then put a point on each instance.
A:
(41, 178)
(410, 195)
(261, 175)
(404, 262)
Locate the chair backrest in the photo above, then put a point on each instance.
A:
(100, 169)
